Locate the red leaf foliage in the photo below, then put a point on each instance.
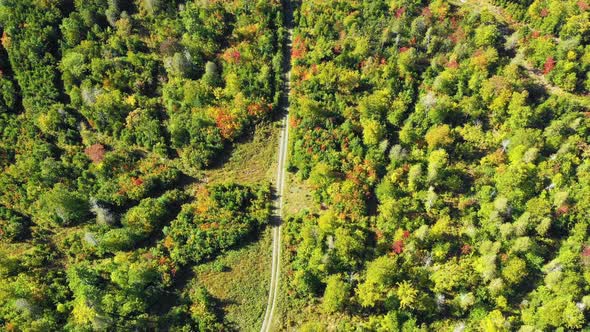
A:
(465, 249)
(299, 48)
(137, 181)
(378, 234)
(232, 55)
(227, 123)
(549, 65)
(398, 247)
(453, 64)
(564, 209)
(95, 152)
(257, 109)
(400, 12)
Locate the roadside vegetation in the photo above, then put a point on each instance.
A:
(239, 280)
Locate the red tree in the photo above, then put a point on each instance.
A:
(232, 55)
(400, 12)
(227, 123)
(549, 65)
(299, 48)
(398, 247)
(465, 249)
(95, 152)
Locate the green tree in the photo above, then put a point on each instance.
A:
(406, 294)
(379, 280)
(62, 206)
(439, 136)
(336, 294)
(486, 35)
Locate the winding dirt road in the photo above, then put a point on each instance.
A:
(280, 184)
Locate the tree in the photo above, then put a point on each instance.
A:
(12, 226)
(415, 177)
(439, 136)
(436, 162)
(514, 269)
(494, 321)
(63, 207)
(336, 294)
(146, 217)
(202, 309)
(211, 76)
(486, 35)
(95, 152)
(349, 246)
(372, 131)
(178, 65)
(406, 294)
(381, 274)
(219, 218)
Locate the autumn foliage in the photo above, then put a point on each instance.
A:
(299, 48)
(95, 152)
(549, 65)
(227, 123)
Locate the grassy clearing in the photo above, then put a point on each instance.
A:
(239, 280)
(298, 196)
(283, 314)
(252, 160)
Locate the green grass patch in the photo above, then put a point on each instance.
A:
(252, 160)
(298, 196)
(239, 280)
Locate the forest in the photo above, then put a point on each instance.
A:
(108, 112)
(445, 145)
